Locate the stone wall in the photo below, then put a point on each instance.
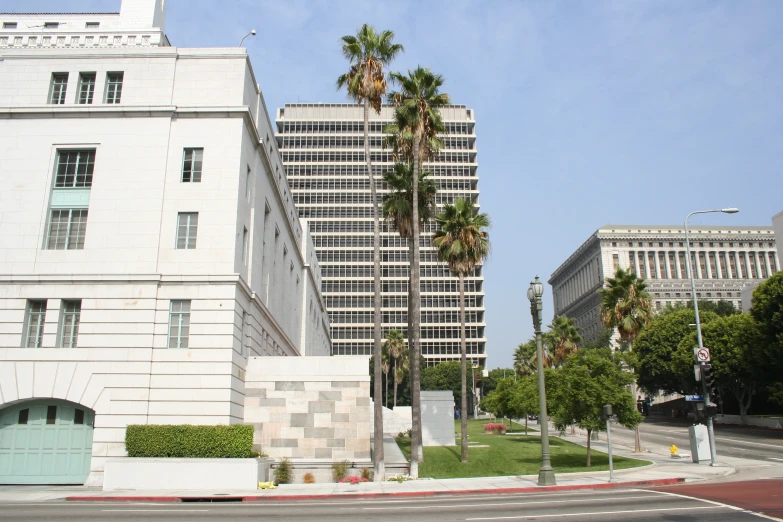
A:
(437, 418)
(308, 408)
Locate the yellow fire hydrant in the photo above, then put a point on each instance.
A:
(673, 449)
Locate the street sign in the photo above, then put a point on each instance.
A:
(694, 398)
(702, 354)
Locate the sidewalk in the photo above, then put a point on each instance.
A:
(663, 471)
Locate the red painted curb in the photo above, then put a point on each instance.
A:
(276, 498)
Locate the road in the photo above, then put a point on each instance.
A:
(636, 505)
(730, 441)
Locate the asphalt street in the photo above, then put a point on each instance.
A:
(730, 441)
(584, 506)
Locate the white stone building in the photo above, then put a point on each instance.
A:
(724, 259)
(149, 243)
(322, 146)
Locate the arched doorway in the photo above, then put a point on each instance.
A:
(45, 441)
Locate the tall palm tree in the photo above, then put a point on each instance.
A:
(626, 306)
(401, 368)
(525, 358)
(564, 338)
(463, 242)
(385, 367)
(368, 53)
(418, 104)
(395, 347)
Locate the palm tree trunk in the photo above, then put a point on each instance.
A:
(395, 382)
(637, 439)
(378, 464)
(387, 390)
(414, 425)
(414, 322)
(589, 432)
(464, 367)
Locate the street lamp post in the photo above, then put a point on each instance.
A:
(710, 429)
(546, 475)
(251, 33)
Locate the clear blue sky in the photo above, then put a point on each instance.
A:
(588, 113)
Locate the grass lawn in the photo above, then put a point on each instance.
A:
(508, 455)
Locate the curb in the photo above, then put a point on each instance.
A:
(272, 498)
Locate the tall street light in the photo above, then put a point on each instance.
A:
(251, 33)
(710, 429)
(546, 475)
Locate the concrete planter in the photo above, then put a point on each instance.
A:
(163, 474)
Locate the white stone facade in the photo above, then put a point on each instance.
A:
(95, 313)
(725, 260)
(777, 225)
(322, 146)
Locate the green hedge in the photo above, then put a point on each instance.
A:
(187, 441)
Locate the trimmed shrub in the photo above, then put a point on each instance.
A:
(367, 473)
(309, 478)
(340, 470)
(187, 441)
(283, 472)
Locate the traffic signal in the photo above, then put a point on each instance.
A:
(710, 387)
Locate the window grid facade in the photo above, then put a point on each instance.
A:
(187, 230)
(191, 165)
(36, 315)
(86, 88)
(74, 168)
(179, 324)
(67, 229)
(114, 87)
(58, 88)
(325, 165)
(69, 323)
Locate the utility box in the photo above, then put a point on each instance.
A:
(700, 443)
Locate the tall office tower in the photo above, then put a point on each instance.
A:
(322, 146)
(725, 261)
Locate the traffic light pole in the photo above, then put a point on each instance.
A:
(710, 429)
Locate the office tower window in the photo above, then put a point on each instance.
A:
(74, 168)
(9, 25)
(191, 165)
(69, 323)
(67, 228)
(616, 261)
(179, 324)
(187, 228)
(36, 314)
(113, 87)
(57, 88)
(86, 88)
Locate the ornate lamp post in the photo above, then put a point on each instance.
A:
(546, 475)
(710, 430)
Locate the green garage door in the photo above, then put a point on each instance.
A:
(45, 442)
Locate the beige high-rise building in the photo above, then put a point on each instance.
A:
(322, 146)
(724, 259)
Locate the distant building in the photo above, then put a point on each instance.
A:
(725, 260)
(322, 146)
(149, 245)
(777, 225)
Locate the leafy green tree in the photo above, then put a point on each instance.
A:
(580, 388)
(462, 241)
(368, 53)
(418, 102)
(602, 340)
(767, 310)
(563, 338)
(626, 307)
(721, 307)
(445, 376)
(489, 383)
(736, 356)
(661, 366)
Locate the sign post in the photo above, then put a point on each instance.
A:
(608, 415)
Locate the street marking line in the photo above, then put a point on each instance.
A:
(778, 446)
(719, 504)
(659, 510)
(525, 503)
(773, 458)
(154, 510)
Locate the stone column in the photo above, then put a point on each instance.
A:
(657, 265)
(729, 274)
(677, 265)
(758, 265)
(749, 275)
(717, 264)
(646, 265)
(738, 265)
(668, 263)
(707, 264)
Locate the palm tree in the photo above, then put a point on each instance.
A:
(368, 53)
(418, 104)
(395, 347)
(525, 358)
(385, 367)
(463, 242)
(401, 368)
(564, 338)
(625, 305)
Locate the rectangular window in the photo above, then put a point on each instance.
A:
(92, 25)
(616, 261)
(23, 416)
(36, 314)
(9, 25)
(244, 246)
(69, 323)
(51, 25)
(51, 414)
(67, 228)
(74, 168)
(78, 416)
(247, 184)
(113, 87)
(191, 165)
(86, 88)
(187, 227)
(58, 87)
(179, 324)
